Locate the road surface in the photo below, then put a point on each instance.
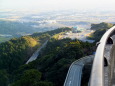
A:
(74, 77)
(35, 55)
(107, 53)
(74, 74)
(107, 56)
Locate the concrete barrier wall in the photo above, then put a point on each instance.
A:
(97, 74)
(112, 65)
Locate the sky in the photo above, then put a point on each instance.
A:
(50, 5)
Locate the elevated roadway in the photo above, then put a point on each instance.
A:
(74, 74)
(103, 69)
(104, 63)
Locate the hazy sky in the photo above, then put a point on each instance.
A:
(57, 4)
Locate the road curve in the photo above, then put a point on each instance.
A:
(74, 74)
(74, 77)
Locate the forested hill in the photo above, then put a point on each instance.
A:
(53, 63)
(100, 29)
(52, 32)
(17, 51)
(102, 25)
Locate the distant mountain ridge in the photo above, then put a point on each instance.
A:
(102, 25)
(100, 29)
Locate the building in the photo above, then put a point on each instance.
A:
(74, 29)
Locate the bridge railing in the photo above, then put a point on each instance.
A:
(97, 74)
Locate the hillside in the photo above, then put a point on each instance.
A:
(52, 32)
(17, 51)
(54, 61)
(100, 29)
(102, 25)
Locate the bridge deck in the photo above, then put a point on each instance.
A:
(107, 56)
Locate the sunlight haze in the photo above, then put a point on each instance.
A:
(57, 4)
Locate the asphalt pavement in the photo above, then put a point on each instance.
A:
(35, 55)
(74, 76)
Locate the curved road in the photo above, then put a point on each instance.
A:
(74, 74)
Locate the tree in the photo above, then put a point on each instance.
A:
(29, 78)
(43, 83)
(3, 78)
